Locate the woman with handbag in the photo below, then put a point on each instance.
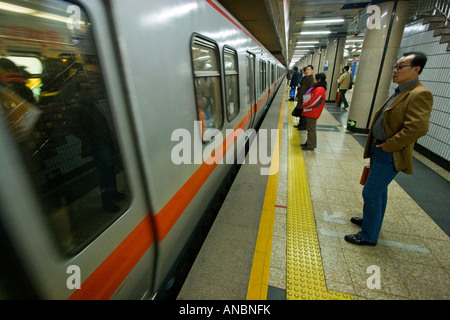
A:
(312, 109)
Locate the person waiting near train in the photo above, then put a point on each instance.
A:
(295, 80)
(344, 84)
(312, 109)
(208, 93)
(17, 101)
(306, 83)
(396, 126)
(12, 77)
(89, 122)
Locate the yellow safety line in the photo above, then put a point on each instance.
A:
(259, 277)
(305, 278)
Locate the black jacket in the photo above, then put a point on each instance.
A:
(295, 79)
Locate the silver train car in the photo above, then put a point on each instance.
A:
(113, 132)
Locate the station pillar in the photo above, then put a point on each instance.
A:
(333, 65)
(379, 53)
(318, 60)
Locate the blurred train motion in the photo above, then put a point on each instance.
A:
(91, 205)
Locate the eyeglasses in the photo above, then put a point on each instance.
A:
(402, 66)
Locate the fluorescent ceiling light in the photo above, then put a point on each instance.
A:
(306, 42)
(50, 16)
(354, 40)
(323, 21)
(14, 8)
(35, 13)
(305, 46)
(315, 32)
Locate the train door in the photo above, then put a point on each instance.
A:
(272, 77)
(267, 76)
(74, 217)
(268, 80)
(251, 90)
(263, 79)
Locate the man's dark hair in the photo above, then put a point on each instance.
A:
(8, 65)
(347, 68)
(312, 68)
(419, 60)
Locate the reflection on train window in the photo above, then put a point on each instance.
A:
(231, 83)
(53, 97)
(207, 85)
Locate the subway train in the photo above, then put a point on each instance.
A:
(97, 197)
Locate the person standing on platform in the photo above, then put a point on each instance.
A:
(295, 80)
(397, 125)
(305, 84)
(344, 84)
(312, 109)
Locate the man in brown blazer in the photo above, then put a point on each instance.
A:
(397, 125)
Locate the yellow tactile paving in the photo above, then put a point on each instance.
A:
(304, 275)
(259, 277)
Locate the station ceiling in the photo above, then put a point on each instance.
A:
(265, 19)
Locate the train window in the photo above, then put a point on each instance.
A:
(205, 57)
(273, 73)
(53, 98)
(263, 73)
(231, 83)
(250, 64)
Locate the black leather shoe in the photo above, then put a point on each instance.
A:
(307, 148)
(357, 221)
(355, 239)
(303, 145)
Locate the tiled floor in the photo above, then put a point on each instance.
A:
(413, 255)
(411, 260)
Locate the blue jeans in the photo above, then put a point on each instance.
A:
(375, 192)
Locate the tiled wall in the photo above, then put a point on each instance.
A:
(436, 77)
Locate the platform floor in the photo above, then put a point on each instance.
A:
(280, 236)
